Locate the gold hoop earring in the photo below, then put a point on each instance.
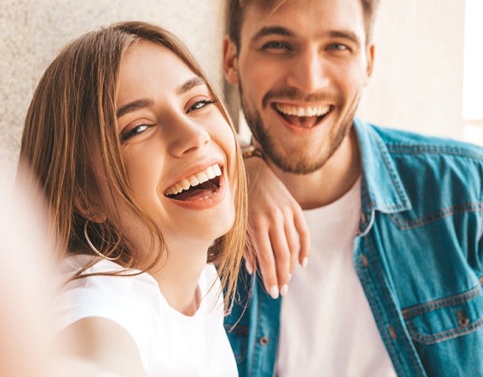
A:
(93, 248)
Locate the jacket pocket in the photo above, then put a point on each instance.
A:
(446, 318)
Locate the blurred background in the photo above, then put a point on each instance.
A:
(427, 76)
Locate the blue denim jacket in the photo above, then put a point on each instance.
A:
(419, 257)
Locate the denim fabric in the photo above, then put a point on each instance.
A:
(418, 255)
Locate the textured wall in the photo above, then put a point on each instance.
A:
(417, 82)
(33, 31)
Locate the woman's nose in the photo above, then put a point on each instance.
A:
(187, 136)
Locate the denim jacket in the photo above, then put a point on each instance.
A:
(418, 256)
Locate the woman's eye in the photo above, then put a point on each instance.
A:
(134, 131)
(200, 104)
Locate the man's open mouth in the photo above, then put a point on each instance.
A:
(197, 186)
(302, 116)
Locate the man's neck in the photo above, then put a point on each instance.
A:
(329, 183)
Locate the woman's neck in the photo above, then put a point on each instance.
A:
(178, 274)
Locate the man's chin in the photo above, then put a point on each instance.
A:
(295, 163)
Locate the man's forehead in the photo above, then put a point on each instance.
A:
(272, 7)
(298, 16)
(264, 6)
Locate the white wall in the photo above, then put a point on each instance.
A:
(33, 31)
(473, 72)
(418, 79)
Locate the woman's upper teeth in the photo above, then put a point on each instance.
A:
(194, 180)
(303, 111)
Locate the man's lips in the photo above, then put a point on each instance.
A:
(302, 116)
(197, 186)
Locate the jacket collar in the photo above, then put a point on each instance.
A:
(381, 188)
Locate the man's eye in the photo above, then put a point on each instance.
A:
(134, 131)
(276, 45)
(338, 47)
(200, 104)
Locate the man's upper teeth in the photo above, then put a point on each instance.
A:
(195, 179)
(303, 111)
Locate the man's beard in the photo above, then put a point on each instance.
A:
(296, 161)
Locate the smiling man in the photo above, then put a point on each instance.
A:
(393, 285)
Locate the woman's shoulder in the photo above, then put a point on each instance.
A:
(105, 289)
(73, 263)
(131, 300)
(102, 272)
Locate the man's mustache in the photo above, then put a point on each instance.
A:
(295, 94)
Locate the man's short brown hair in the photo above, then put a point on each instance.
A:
(236, 10)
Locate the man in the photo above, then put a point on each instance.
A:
(393, 286)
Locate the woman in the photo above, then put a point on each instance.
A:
(140, 167)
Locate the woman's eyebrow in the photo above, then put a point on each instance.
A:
(142, 103)
(133, 106)
(190, 84)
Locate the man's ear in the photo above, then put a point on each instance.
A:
(230, 61)
(370, 52)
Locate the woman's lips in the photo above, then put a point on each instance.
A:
(204, 182)
(198, 192)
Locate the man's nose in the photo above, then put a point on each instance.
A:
(309, 73)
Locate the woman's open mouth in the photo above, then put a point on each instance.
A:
(197, 186)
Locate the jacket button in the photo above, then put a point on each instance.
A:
(264, 340)
(462, 319)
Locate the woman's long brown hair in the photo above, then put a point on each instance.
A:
(73, 107)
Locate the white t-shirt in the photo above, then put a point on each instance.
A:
(170, 343)
(327, 328)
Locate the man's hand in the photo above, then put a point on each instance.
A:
(277, 229)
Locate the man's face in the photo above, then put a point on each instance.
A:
(301, 68)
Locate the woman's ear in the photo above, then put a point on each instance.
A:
(230, 60)
(88, 210)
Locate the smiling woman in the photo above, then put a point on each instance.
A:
(144, 185)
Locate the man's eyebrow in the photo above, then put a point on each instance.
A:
(190, 84)
(284, 32)
(345, 34)
(133, 106)
(272, 30)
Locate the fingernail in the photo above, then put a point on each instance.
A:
(249, 267)
(304, 262)
(284, 290)
(274, 292)
(289, 278)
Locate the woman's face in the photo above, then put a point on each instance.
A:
(177, 147)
